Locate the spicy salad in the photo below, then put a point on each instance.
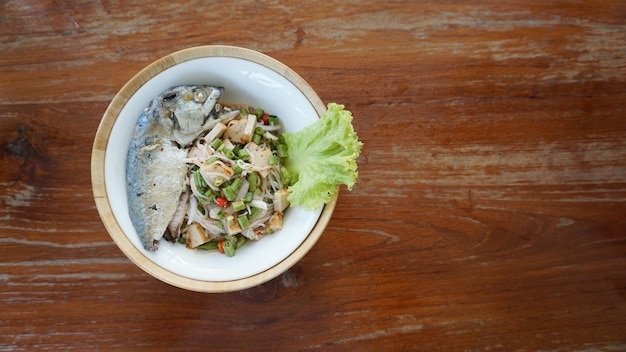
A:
(238, 183)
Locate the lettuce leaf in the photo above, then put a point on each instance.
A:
(321, 157)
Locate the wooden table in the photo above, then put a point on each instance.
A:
(489, 215)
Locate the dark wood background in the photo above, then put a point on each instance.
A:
(489, 213)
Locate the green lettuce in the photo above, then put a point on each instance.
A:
(321, 157)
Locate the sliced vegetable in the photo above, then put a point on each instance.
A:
(229, 193)
(229, 248)
(281, 149)
(240, 242)
(252, 180)
(243, 154)
(239, 205)
(216, 143)
(208, 246)
(221, 202)
(243, 221)
(254, 211)
(285, 176)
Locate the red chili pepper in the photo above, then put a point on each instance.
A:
(221, 202)
(220, 246)
(266, 119)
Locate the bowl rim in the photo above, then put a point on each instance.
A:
(98, 181)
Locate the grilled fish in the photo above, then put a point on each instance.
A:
(156, 173)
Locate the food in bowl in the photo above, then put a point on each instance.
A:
(204, 174)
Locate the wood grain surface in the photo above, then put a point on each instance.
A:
(489, 215)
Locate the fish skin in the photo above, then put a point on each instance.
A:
(155, 167)
(155, 181)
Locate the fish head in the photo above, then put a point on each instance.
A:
(184, 110)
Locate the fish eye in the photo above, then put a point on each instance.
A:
(199, 95)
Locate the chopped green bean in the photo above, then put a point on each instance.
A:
(229, 193)
(236, 184)
(199, 180)
(243, 154)
(208, 246)
(281, 149)
(229, 154)
(243, 221)
(216, 143)
(229, 248)
(241, 240)
(285, 176)
(239, 205)
(259, 113)
(254, 211)
(252, 180)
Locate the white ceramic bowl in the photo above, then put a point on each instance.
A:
(248, 77)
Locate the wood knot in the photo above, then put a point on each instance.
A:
(20, 147)
(30, 150)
